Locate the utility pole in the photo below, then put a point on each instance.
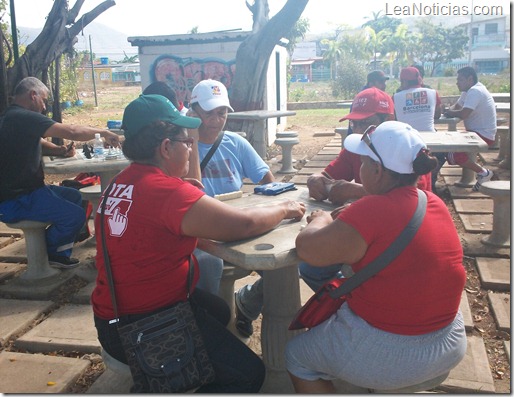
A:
(92, 70)
(14, 32)
(471, 34)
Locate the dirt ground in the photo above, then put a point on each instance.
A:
(309, 146)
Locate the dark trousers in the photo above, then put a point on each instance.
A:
(238, 369)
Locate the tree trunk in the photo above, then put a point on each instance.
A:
(58, 36)
(252, 58)
(3, 73)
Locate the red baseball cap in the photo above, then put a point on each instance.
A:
(410, 74)
(369, 102)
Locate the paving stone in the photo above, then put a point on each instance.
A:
(42, 289)
(37, 373)
(330, 151)
(5, 241)
(500, 303)
(466, 311)
(324, 157)
(473, 373)
(83, 296)
(494, 273)
(317, 163)
(111, 382)
(324, 134)
(7, 231)
(299, 179)
(8, 270)
(310, 171)
(70, 328)
(18, 315)
(482, 223)
(473, 206)
(473, 246)
(462, 192)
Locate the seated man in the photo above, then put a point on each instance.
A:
(23, 193)
(233, 160)
(477, 108)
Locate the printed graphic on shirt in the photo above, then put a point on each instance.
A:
(117, 208)
(218, 169)
(416, 102)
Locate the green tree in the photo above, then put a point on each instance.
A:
(382, 22)
(376, 42)
(351, 76)
(297, 33)
(440, 45)
(396, 45)
(332, 54)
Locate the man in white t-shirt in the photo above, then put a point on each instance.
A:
(416, 105)
(477, 108)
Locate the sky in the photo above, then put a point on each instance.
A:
(163, 17)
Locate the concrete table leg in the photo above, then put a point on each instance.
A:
(259, 138)
(468, 176)
(281, 302)
(500, 193)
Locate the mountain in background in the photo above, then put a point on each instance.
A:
(105, 42)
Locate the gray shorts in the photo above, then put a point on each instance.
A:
(346, 347)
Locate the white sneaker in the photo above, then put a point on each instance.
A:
(481, 179)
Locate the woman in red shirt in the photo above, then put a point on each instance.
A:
(153, 221)
(403, 326)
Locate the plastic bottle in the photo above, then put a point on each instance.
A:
(98, 148)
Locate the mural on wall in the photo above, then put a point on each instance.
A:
(182, 74)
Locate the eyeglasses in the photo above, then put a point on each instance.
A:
(361, 123)
(187, 141)
(366, 138)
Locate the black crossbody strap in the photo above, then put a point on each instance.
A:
(107, 261)
(390, 253)
(211, 150)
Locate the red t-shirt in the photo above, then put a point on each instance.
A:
(419, 292)
(149, 255)
(347, 166)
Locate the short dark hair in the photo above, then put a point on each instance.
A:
(468, 71)
(161, 88)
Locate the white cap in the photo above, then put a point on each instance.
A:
(398, 144)
(210, 94)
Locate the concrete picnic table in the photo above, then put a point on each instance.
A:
(275, 253)
(451, 122)
(453, 141)
(259, 117)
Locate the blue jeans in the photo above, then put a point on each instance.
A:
(249, 299)
(59, 205)
(238, 369)
(211, 270)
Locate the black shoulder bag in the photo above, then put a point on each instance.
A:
(329, 298)
(165, 351)
(211, 150)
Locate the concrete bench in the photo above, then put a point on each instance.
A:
(500, 193)
(231, 273)
(503, 136)
(93, 194)
(38, 266)
(343, 132)
(427, 385)
(287, 154)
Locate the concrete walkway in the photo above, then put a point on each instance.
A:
(62, 328)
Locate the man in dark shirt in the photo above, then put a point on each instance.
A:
(23, 193)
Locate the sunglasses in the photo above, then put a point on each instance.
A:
(366, 138)
(361, 123)
(187, 141)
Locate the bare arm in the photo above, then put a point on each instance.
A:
(81, 133)
(212, 219)
(51, 149)
(325, 241)
(268, 178)
(462, 113)
(342, 191)
(318, 185)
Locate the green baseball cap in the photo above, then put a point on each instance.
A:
(149, 108)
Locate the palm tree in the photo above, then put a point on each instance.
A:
(332, 54)
(376, 41)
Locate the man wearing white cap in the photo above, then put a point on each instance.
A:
(224, 163)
